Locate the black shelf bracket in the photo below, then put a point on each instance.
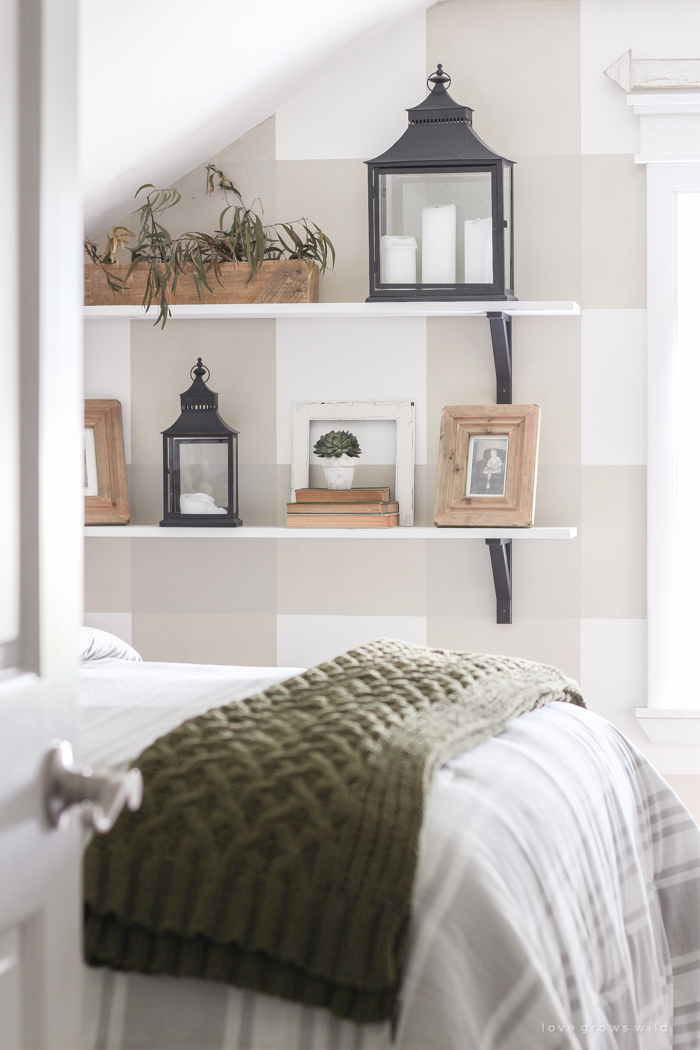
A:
(500, 551)
(502, 344)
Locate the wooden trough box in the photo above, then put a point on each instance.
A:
(277, 281)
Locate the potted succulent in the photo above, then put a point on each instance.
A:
(281, 262)
(341, 449)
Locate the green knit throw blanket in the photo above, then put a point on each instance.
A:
(278, 838)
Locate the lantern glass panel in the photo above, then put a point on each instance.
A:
(200, 467)
(507, 210)
(436, 228)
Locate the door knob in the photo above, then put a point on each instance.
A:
(102, 798)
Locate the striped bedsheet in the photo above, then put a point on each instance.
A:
(556, 907)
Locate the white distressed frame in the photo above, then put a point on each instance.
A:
(401, 412)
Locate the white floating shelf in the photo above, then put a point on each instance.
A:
(227, 311)
(252, 532)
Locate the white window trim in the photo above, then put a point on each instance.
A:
(664, 559)
(672, 159)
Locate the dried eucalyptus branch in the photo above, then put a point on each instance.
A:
(246, 239)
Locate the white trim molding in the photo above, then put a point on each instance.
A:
(401, 412)
(669, 128)
(667, 569)
(669, 726)
(670, 148)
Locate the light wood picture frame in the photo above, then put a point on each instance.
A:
(487, 466)
(403, 414)
(105, 484)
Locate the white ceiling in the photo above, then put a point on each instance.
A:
(167, 83)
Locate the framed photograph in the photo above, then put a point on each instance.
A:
(401, 412)
(487, 465)
(104, 465)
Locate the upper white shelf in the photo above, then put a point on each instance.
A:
(224, 311)
(563, 532)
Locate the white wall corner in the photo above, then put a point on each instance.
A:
(613, 387)
(108, 367)
(304, 641)
(115, 623)
(361, 109)
(374, 359)
(613, 681)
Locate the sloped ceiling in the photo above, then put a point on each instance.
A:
(167, 83)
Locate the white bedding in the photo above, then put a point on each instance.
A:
(558, 888)
(126, 706)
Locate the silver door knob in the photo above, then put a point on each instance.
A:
(102, 798)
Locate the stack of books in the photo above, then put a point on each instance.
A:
(342, 509)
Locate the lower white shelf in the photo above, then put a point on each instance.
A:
(666, 726)
(251, 532)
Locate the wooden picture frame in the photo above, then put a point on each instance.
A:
(105, 485)
(401, 412)
(487, 465)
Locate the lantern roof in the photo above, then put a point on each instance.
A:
(199, 415)
(439, 129)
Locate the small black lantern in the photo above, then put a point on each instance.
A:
(440, 209)
(200, 461)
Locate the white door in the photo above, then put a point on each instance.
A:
(40, 517)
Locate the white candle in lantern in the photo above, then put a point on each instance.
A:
(199, 503)
(398, 259)
(478, 251)
(439, 244)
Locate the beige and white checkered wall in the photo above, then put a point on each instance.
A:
(532, 71)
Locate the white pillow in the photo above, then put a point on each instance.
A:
(101, 645)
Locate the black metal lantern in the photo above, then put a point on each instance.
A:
(440, 209)
(200, 461)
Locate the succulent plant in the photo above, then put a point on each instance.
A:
(337, 443)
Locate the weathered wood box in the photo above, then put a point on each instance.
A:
(277, 281)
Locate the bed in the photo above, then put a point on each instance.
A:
(556, 904)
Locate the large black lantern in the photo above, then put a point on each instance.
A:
(440, 209)
(200, 461)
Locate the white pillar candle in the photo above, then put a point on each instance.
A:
(398, 259)
(439, 244)
(478, 252)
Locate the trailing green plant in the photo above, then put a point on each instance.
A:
(337, 443)
(244, 239)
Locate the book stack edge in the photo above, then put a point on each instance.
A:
(342, 509)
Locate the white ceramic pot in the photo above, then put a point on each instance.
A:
(339, 472)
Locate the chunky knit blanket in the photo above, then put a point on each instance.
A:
(278, 838)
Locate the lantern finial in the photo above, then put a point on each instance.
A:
(439, 79)
(199, 370)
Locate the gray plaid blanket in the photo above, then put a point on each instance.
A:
(557, 907)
